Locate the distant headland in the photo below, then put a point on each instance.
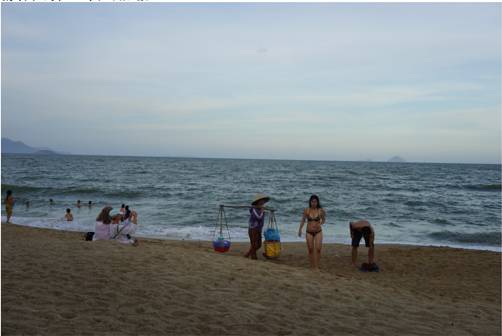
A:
(19, 147)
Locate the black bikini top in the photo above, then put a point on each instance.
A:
(313, 219)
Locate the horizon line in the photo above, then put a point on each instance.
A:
(247, 158)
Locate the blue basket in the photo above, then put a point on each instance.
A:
(272, 234)
(221, 245)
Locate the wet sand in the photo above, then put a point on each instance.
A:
(55, 283)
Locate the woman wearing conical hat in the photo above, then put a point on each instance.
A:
(256, 221)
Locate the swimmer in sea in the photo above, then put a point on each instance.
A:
(68, 216)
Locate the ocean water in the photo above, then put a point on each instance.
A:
(411, 203)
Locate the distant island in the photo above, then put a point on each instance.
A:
(19, 147)
(396, 159)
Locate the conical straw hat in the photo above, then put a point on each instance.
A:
(260, 197)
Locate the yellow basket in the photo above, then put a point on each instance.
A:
(272, 249)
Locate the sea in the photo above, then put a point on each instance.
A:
(457, 205)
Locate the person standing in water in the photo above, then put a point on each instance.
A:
(256, 221)
(78, 204)
(9, 204)
(315, 217)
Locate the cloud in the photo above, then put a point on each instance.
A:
(193, 74)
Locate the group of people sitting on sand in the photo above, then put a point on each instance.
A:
(315, 216)
(118, 226)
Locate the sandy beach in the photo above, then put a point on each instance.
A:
(55, 283)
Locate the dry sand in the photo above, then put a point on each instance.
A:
(55, 283)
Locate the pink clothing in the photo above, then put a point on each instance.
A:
(102, 231)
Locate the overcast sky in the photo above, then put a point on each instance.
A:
(288, 81)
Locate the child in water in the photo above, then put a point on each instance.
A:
(68, 216)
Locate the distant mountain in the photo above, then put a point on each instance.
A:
(19, 147)
(396, 159)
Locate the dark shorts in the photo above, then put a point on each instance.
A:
(358, 234)
(255, 238)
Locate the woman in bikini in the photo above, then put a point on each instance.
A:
(315, 217)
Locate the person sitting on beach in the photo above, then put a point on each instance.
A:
(358, 230)
(315, 217)
(123, 235)
(134, 217)
(130, 224)
(256, 221)
(68, 216)
(115, 225)
(127, 213)
(9, 204)
(103, 221)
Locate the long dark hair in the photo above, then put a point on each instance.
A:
(319, 206)
(127, 212)
(104, 216)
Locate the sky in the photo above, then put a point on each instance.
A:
(325, 81)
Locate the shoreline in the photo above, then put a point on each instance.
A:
(56, 283)
(497, 249)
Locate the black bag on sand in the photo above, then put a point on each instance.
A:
(88, 236)
(365, 267)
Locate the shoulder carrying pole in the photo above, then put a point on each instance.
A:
(243, 207)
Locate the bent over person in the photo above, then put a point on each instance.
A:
(358, 230)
